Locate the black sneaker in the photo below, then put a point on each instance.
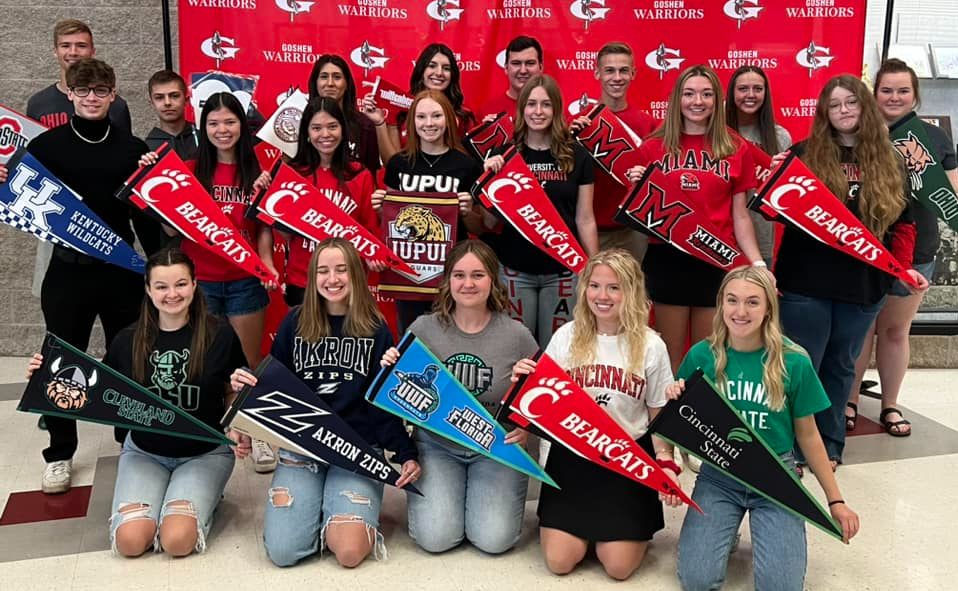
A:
(42, 423)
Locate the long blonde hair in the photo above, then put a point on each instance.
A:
(560, 138)
(881, 198)
(633, 313)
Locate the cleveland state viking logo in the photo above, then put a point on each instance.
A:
(68, 388)
(416, 392)
(169, 379)
(917, 158)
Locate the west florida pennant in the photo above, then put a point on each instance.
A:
(556, 407)
(292, 204)
(390, 98)
(610, 142)
(706, 425)
(169, 189)
(72, 385)
(518, 197)
(795, 194)
(419, 389)
(282, 129)
(16, 131)
(658, 207)
(282, 410)
(36, 202)
(929, 184)
(490, 136)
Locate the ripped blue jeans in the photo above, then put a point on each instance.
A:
(315, 493)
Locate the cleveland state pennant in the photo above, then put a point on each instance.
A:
(282, 129)
(657, 206)
(392, 99)
(292, 204)
(419, 389)
(490, 137)
(559, 409)
(282, 410)
(795, 194)
(515, 193)
(169, 189)
(929, 184)
(16, 131)
(72, 385)
(36, 202)
(610, 142)
(705, 424)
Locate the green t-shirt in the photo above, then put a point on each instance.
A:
(804, 394)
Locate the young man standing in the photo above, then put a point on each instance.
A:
(168, 97)
(523, 61)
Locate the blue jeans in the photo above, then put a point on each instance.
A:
(833, 334)
(779, 552)
(317, 493)
(927, 271)
(155, 481)
(235, 298)
(466, 496)
(542, 302)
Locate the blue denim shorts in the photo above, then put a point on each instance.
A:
(926, 270)
(235, 298)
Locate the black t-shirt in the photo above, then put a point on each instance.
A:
(168, 377)
(926, 220)
(516, 252)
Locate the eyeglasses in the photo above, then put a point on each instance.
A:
(100, 91)
(850, 103)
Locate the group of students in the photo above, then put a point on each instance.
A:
(799, 349)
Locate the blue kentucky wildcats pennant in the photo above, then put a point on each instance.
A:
(421, 390)
(36, 202)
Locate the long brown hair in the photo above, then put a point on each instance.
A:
(764, 119)
(560, 139)
(882, 195)
(721, 143)
(498, 300)
(450, 137)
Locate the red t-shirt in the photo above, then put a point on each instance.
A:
(609, 193)
(355, 199)
(708, 183)
(498, 104)
(233, 203)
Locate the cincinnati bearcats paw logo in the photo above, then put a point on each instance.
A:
(552, 388)
(174, 178)
(294, 187)
(287, 189)
(800, 185)
(515, 180)
(603, 399)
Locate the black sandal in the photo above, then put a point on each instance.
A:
(893, 428)
(851, 420)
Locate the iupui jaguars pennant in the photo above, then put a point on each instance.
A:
(489, 137)
(610, 142)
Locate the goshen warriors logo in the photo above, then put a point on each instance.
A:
(814, 57)
(917, 158)
(664, 59)
(421, 238)
(712, 246)
(440, 10)
(67, 390)
(294, 7)
(369, 57)
(589, 10)
(742, 10)
(416, 392)
(603, 147)
(11, 136)
(219, 48)
(582, 105)
(657, 215)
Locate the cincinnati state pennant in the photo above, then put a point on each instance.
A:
(169, 189)
(518, 197)
(489, 137)
(657, 206)
(16, 131)
(610, 142)
(392, 99)
(281, 130)
(559, 409)
(929, 184)
(72, 385)
(419, 389)
(706, 425)
(292, 204)
(282, 410)
(36, 202)
(795, 194)
(421, 229)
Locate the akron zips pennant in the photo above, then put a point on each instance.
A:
(282, 410)
(36, 202)
(390, 98)
(72, 385)
(517, 196)
(658, 207)
(490, 136)
(795, 194)
(705, 424)
(282, 129)
(169, 189)
(292, 204)
(16, 131)
(610, 142)
(929, 184)
(549, 400)
(419, 389)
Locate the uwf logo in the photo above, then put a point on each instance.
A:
(416, 392)
(440, 10)
(664, 59)
(294, 7)
(589, 10)
(219, 48)
(11, 136)
(657, 215)
(284, 411)
(369, 57)
(603, 147)
(742, 10)
(814, 57)
(34, 203)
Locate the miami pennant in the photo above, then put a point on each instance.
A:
(610, 142)
(489, 137)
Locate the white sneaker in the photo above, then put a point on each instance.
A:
(264, 460)
(56, 477)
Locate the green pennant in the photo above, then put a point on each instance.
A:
(929, 184)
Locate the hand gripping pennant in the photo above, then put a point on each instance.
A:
(659, 208)
(490, 136)
(549, 400)
(610, 142)
(16, 131)
(72, 385)
(795, 194)
(169, 189)
(419, 389)
(282, 410)
(706, 425)
(390, 98)
(929, 184)
(281, 130)
(34, 201)
(515, 193)
(292, 204)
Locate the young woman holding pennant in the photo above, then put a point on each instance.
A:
(746, 352)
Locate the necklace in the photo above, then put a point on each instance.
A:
(105, 135)
(435, 161)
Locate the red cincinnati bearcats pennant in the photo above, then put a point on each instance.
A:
(659, 208)
(170, 190)
(795, 194)
(516, 194)
(489, 137)
(551, 402)
(610, 142)
(292, 204)
(390, 98)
